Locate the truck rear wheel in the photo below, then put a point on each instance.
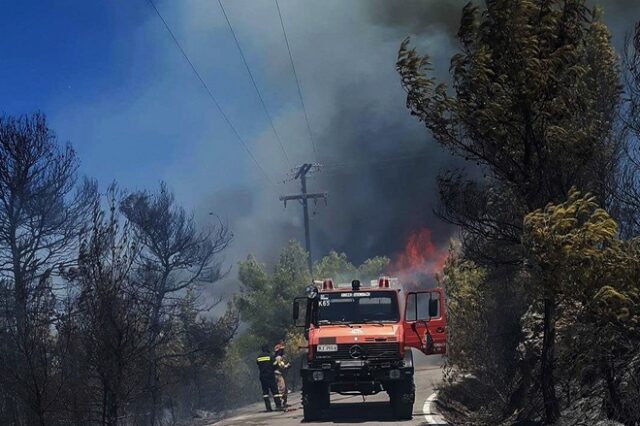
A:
(403, 395)
(315, 398)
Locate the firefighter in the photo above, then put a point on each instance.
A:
(266, 365)
(281, 366)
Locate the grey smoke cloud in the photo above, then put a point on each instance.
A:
(424, 17)
(380, 163)
(419, 17)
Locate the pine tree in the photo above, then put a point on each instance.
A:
(533, 97)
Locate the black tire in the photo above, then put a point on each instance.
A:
(402, 398)
(315, 398)
(324, 396)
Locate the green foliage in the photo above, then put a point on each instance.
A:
(373, 268)
(535, 91)
(578, 259)
(265, 300)
(237, 374)
(196, 358)
(571, 245)
(337, 267)
(466, 304)
(203, 340)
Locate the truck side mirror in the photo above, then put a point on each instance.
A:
(299, 317)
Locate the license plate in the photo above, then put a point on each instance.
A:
(327, 348)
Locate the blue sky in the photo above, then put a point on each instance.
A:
(68, 58)
(111, 81)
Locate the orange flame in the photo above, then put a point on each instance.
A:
(421, 258)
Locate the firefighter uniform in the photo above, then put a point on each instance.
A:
(266, 365)
(281, 367)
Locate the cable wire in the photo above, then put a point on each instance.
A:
(211, 95)
(253, 81)
(295, 75)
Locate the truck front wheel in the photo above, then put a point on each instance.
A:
(315, 398)
(403, 395)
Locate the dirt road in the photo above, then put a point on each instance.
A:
(351, 409)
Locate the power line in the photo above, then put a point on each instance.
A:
(213, 98)
(253, 81)
(295, 75)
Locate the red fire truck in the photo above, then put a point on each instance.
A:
(359, 341)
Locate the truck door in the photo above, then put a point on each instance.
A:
(425, 321)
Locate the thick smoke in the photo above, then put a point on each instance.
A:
(422, 17)
(380, 164)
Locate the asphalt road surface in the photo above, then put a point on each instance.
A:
(351, 409)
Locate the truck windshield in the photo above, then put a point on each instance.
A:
(358, 307)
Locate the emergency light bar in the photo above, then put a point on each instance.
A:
(385, 282)
(327, 284)
(382, 282)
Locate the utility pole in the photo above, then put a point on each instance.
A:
(304, 197)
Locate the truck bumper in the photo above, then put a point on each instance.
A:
(361, 376)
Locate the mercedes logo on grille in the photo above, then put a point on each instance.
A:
(355, 352)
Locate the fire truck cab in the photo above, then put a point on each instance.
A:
(360, 339)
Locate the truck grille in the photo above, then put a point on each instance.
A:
(364, 351)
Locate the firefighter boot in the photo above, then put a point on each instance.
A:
(267, 403)
(278, 402)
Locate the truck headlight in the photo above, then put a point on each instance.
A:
(394, 374)
(318, 376)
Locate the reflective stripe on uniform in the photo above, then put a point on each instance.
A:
(277, 395)
(264, 358)
(265, 396)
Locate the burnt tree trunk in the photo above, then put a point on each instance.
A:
(152, 373)
(613, 402)
(551, 408)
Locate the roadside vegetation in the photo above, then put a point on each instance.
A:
(100, 295)
(543, 288)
